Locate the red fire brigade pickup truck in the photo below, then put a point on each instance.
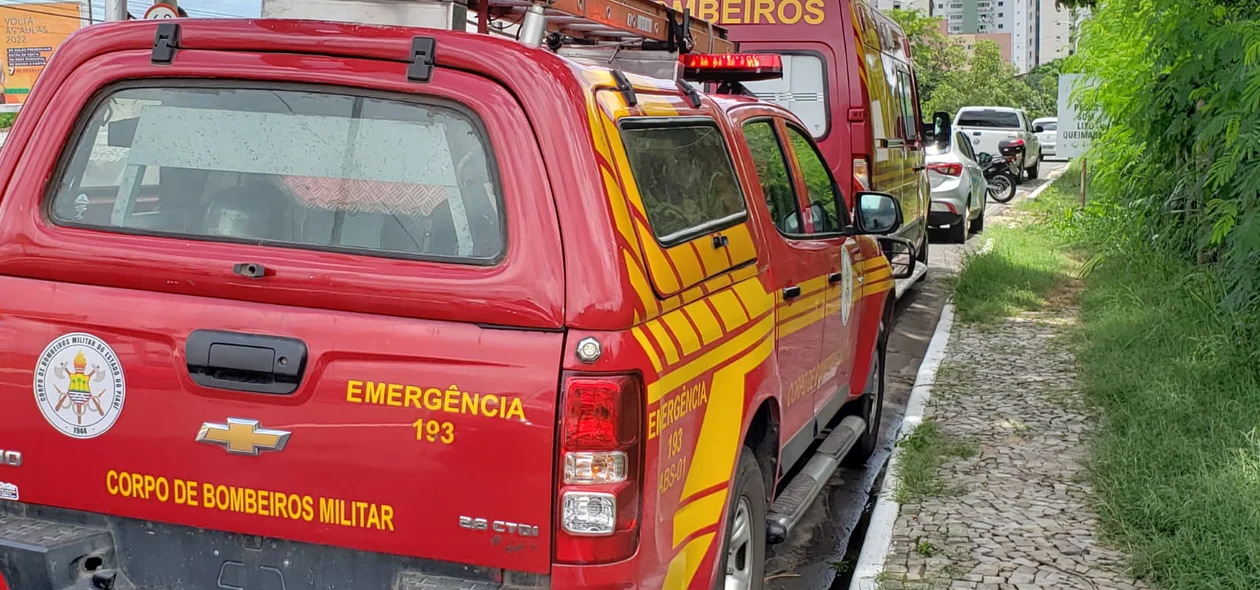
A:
(308, 305)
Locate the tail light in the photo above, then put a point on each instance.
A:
(3, 586)
(946, 168)
(1017, 142)
(862, 173)
(600, 469)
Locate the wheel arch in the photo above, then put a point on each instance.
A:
(762, 437)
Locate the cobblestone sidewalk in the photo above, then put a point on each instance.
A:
(1017, 514)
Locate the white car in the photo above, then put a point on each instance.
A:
(988, 126)
(958, 188)
(1047, 130)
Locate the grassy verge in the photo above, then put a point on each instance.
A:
(1176, 457)
(1019, 268)
(1177, 463)
(922, 454)
(7, 119)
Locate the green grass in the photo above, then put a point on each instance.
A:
(1176, 457)
(1177, 463)
(922, 455)
(1023, 268)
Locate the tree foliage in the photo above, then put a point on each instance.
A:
(949, 79)
(933, 53)
(1178, 166)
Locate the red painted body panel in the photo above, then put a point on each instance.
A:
(708, 355)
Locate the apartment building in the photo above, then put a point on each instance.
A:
(1056, 36)
(1016, 18)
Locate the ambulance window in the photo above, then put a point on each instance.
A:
(772, 172)
(310, 169)
(910, 120)
(826, 205)
(802, 90)
(685, 177)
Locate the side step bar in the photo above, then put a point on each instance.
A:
(790, 506)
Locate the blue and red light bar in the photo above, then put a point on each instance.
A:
(731, 67)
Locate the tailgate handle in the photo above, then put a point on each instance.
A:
(245, 362)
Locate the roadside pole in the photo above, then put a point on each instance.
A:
(1083, 160)
(115, 10)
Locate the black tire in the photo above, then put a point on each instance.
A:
(874, 394)
(999, 195)
(977, 226)
(1035, 170)
(958, 231)
(748, 488)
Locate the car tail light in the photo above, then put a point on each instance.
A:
(3, 586)
(862, 173)
(946, 168)
(600, 469)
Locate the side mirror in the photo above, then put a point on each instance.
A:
(942, 125)
(1038, 129)
(878, 213)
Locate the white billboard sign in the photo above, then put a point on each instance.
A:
(1076, 129)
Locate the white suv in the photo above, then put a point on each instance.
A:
(988, 126)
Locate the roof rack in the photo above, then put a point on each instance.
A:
(642, 24)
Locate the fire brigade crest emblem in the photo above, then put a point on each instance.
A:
(79, 385)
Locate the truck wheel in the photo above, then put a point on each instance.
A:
(742, 562)
(1035, 170)
(977, 226)
(871, 405)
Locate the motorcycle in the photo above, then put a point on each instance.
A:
(999, 176)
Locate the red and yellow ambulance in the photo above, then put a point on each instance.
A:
(848, 75)
(314, 305)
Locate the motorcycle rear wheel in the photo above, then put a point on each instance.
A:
(1001, 188)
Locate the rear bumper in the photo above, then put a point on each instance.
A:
(53, 549)
(949, 202)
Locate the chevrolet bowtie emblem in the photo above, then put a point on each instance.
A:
(243, 437)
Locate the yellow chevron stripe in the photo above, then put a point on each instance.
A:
(719, 354)
(682, 569)
(705, 321)
(640, 284)
(718, 444)
(662, 338)
(729, 309)
(681, 328)
(647, 348)
(699, 514)
(756, 300)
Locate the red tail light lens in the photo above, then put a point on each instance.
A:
(3, 586)
(1017, 142)
(946, 168)
(594, 416)
(600, 464)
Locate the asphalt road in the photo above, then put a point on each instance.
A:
(823, 548)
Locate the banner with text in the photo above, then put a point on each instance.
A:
(32, 32)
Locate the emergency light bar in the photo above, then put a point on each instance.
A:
(731, 67)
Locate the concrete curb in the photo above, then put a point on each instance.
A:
(1050, 178)
(878, 540)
